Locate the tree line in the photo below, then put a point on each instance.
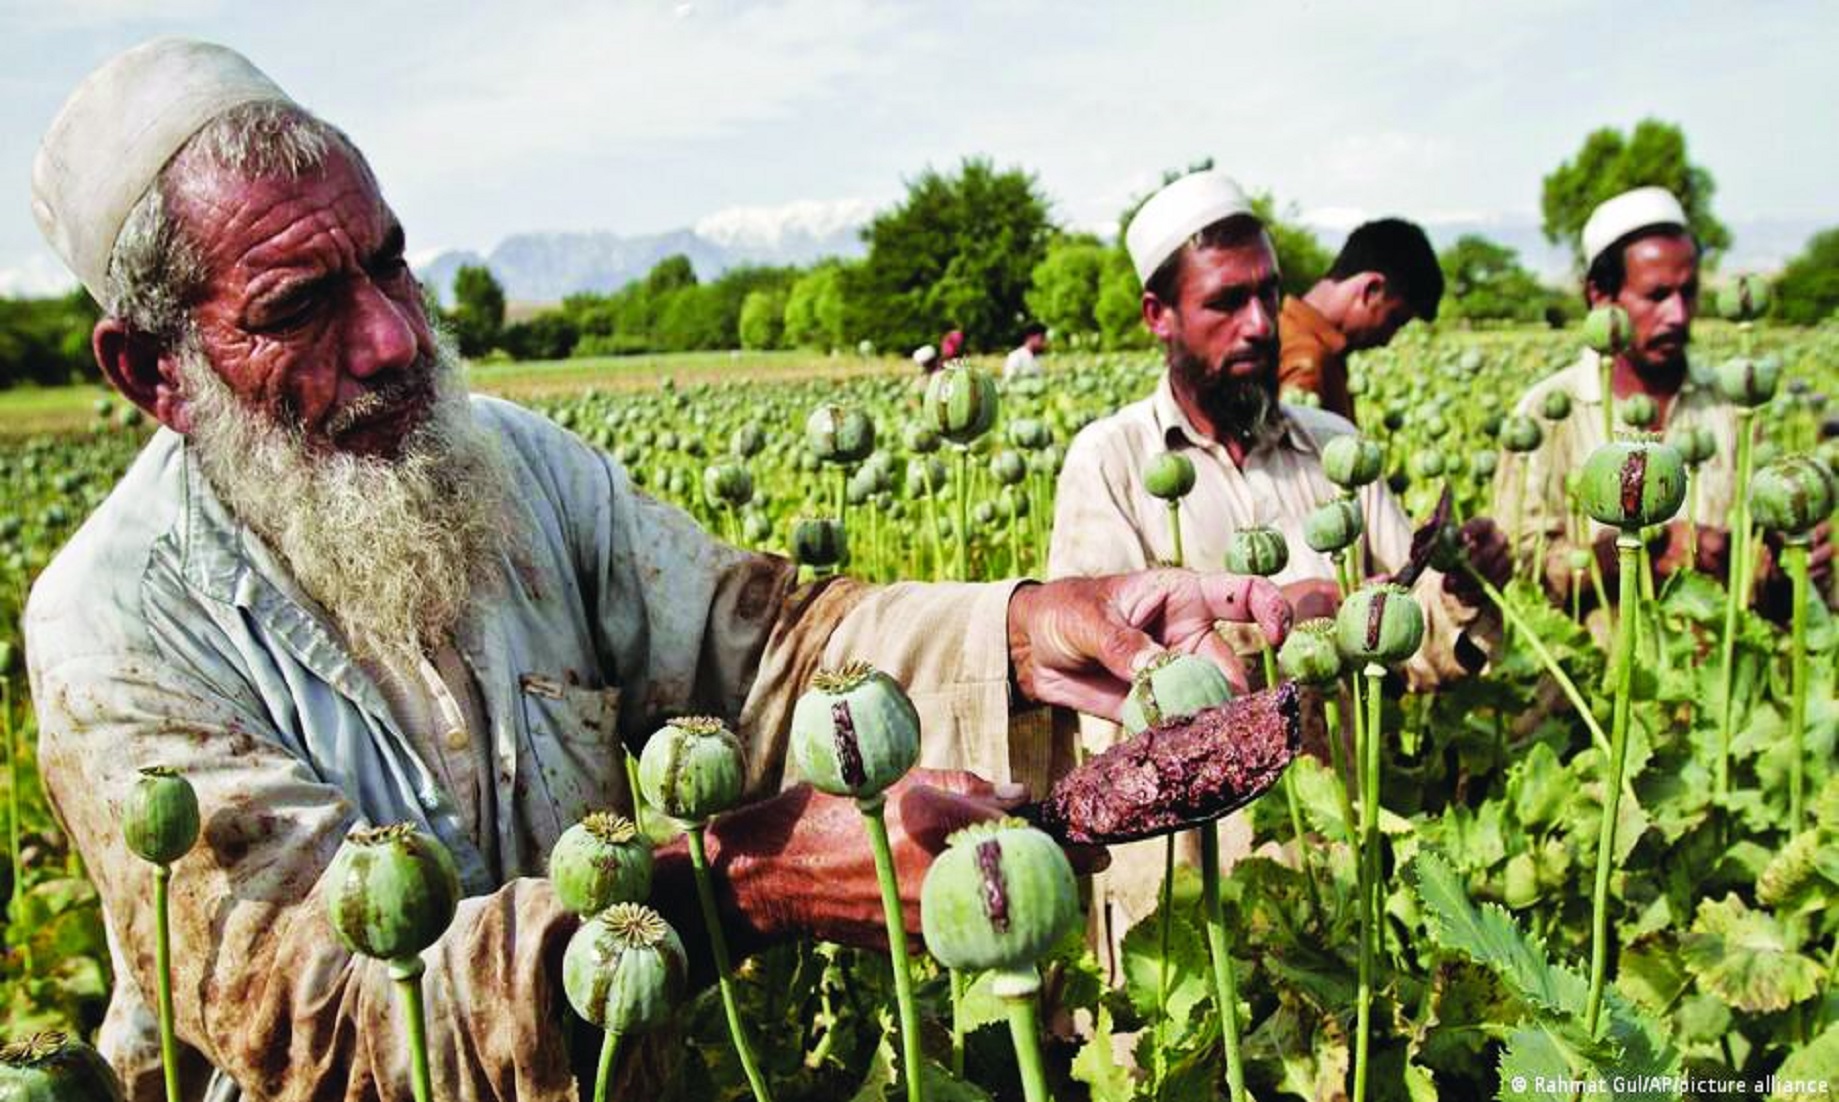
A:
(977, 249)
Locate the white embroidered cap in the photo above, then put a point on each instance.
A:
(1614, 219)
(117, 131)
(1177, 212)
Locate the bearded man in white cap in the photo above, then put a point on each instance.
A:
(1639, 255)
(1210, 296)
(333, 592)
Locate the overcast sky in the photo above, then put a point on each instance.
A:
(639, 115)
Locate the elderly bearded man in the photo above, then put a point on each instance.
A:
(1210, 291)
(334, 591)
(1640, 256)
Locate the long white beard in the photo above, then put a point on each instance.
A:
(394, 550)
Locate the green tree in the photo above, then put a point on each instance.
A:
(1064, 286)
(762, 321)
(1807, 291)
(673, 273)
(45, 341)
(1609, 163)
(957, 251)
(1485, 280)
(550, 335)
(1119, 311)
(1300, 256)
(814, 309)
(478, 309)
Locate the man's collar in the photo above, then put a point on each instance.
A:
(1173, 427)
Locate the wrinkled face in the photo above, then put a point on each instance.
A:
(1661, 294)
(309, 311)
(1374, 318)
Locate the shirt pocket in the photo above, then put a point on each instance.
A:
(574, 738)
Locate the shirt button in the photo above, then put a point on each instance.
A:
(455, 738)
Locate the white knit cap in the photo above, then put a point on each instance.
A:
(1177, 212)
(925, 354)
(117, 131)
(1640, 209)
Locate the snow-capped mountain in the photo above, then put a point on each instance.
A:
(546, 267)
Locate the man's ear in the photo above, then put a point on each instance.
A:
(1373, 289)
(1158, 316)
(1595, 296)
(143, 370)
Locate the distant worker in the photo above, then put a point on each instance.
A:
(1022, 362)
(951, 346)
(1386, 275)
(1639, 255)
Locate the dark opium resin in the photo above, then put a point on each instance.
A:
(1179, 773)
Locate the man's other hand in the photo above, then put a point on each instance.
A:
(1312, 599)
(800, 862)
(1481, 542)
(1076, 642)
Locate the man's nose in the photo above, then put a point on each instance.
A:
(382, 335)
(1258, 323)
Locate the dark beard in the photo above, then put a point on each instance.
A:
(1241, 408)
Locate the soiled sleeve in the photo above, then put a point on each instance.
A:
(261, 985)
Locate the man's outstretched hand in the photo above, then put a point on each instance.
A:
(1076, 642)
(799, 864)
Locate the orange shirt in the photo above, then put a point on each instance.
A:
(1313, 356)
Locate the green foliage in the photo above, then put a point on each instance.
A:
(762, 320)
(670, 311)
(956, 252)
(550, 335)
(45, 341)
(1485, 281)
(1119, 310)
(1609, 163)
(1489, 936)
(814, 309)
(1747, 958)
(1065, 284)
(1491, 790)
(1807, 291)
(1300, 257)
(478, 309)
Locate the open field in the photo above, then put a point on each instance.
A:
(1710, 941)
(41, 411)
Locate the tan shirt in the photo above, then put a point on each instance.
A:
(1313, 356)
(1105, 521)
(1544, 506)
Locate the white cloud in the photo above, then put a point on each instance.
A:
(502, 88)
(1339, 219)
